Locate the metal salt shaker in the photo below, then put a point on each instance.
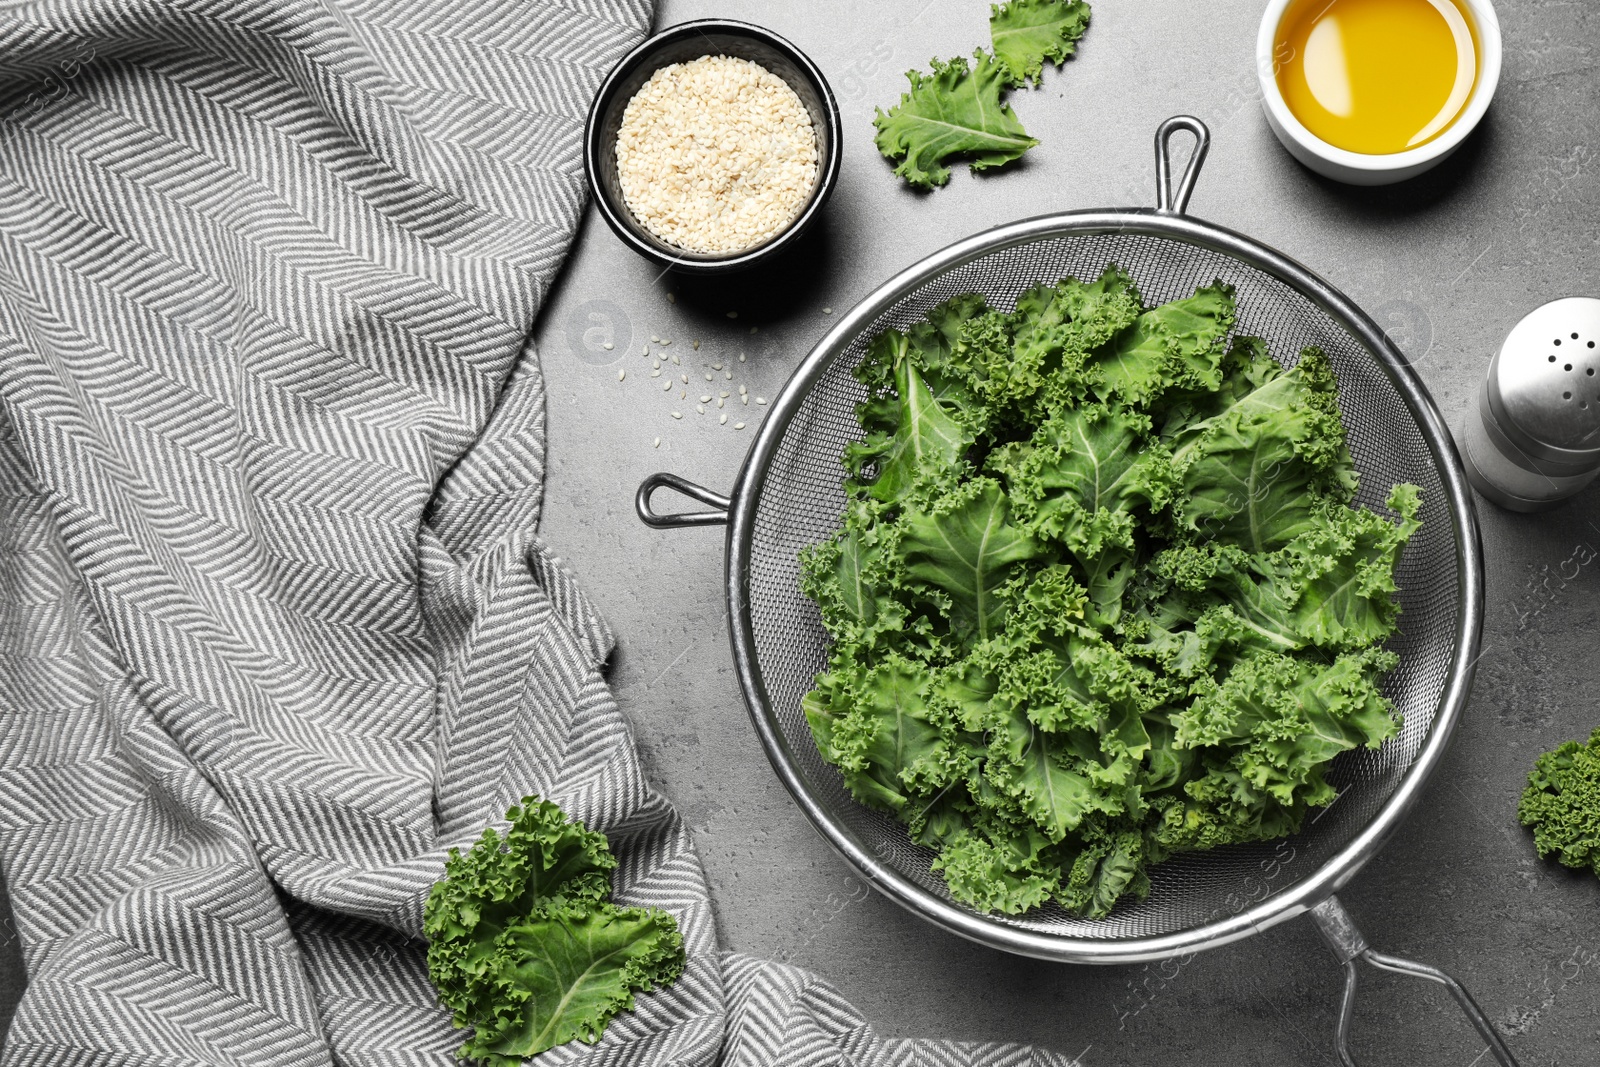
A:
(1533, 438)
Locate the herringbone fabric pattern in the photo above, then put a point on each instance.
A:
(275, 629)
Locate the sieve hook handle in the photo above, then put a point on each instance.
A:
(1341, 934)
(1166, 198)
(650, 517)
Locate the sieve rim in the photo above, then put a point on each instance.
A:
(1333, 873)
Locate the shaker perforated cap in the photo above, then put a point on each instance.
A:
(1545, 385)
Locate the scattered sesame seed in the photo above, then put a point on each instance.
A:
(701, 408)
(708, 376)
(645, 351)
(753, 329)
(761, 400)
(742, 389)
(741, 357)
(719, 401)
(672, 298)
(621, 374)
(697, 346)
(656, 373)
(685, 378)
(827, 311)
(705, 400)
(608, 346)
(716, 366)
(728, 374)
(657, 444)
(723, 394)
(677, 414)
(733, 314)
(655, 364)
(683, 396)
(744, 399)
(666, 386)
(655, 339)
(722, 420)
(738, 426)
(665, 341)
(675, 361)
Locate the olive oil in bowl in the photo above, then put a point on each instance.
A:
(1376, 76)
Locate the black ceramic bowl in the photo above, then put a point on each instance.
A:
(689, 41)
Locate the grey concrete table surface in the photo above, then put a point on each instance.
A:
(1448, 263)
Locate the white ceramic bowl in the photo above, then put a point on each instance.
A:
(1358, 168)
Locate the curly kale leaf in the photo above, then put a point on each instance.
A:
(589, 965)
(854, 579)
(915, 435)
(1261, 741)
(1331, 587)
(1259, 473)
(1562, 804)
(1087, 470)
(1281, 719)
(1177, 346)
(1058, 777)
(1049, 789)
(937, 336)
(1085, 480)
(1058, 327)
(875, 725)
(967, 546)
(954, 113)
(1025, 33)
(1245, 367)
(1000, 872)
(525, 945)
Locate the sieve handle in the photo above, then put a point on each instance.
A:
(1341, 934)
(650, 517)
(1166, 198)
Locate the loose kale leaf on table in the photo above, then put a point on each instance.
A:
(955, 113)
(525, 945)
(582, 970)
(1562, 804)
(958, 112)
(1025, 33)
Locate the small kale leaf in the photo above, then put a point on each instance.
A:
(966, 546)
(1178, 345)
(915, 435)
(525, 945)
(954, 113)
(1261, 471)
(1562, 804)
(1025, 33)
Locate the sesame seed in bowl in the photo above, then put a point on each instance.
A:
(716, 155)
(712, 146)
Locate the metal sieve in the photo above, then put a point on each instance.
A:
(789, 495)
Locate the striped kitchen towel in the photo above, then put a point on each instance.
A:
(275, 626)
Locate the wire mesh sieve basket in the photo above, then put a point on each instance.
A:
(789, 494)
